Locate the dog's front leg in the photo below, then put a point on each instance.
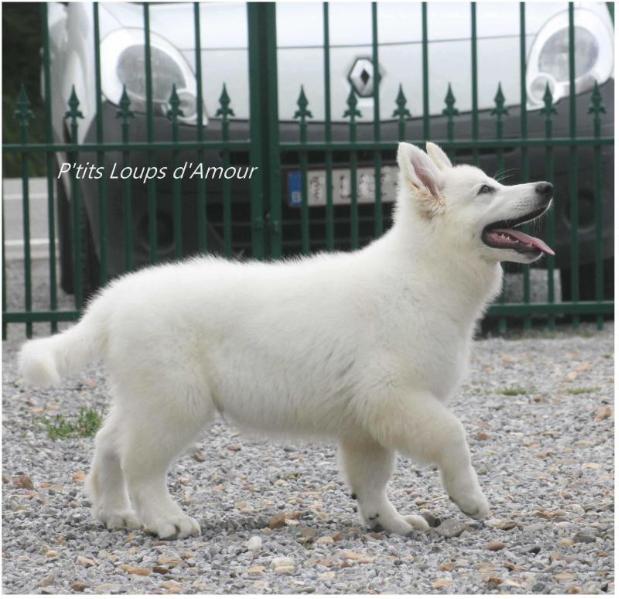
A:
(368, 467)
(420, 426)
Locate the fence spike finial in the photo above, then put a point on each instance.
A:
(22, 107)
(175, 105)
(548, 110)
(499, 104)
(450, 109)
(224, 110)
(596, 107)
(352, 102)
(124, 107)
(401, 111)
(302, 113)
(73, 113)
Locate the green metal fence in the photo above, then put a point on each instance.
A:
(273, 228)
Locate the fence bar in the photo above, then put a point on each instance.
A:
(499, 111)
(425, 70)
(177, 217)
(401, 113)
(605, 307)
(328, 134)
(482, 143)
(50, 161)
(76, 204)
(150, 136)
(573, 175)
(274, 188)
(303, 114)
(102, 182)
(30, 317)
(548, 111)
(258, 135)
(378, 209)
(541, 309)
(474, 97)
(352, 113)
(201, 203)
(596, 109)
(4, 281)
(524, 133)
(23, 115)
(311, 145)
(125, 114)
(225, 112)
(450, 111)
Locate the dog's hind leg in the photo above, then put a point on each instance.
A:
(154, 438)
(105, 484)
(368, 467)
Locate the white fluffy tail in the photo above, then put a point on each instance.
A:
(44, 362)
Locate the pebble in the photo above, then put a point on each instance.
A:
(23, 482)
(502, 524)
(107, 589)
(255, 570)
(495, 546)
(281, 562)
(278, 521)
(441, 584)
(45, 582)
(326, 540)
(581, 537)
(451, 528)
(85, 561)
(307, 534)
(171, 586)
(283, 565)
(137, 571)
(254, 544)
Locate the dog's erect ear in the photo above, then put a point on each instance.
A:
(440, 159)
(423, 176)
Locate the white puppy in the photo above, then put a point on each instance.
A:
(362, 347)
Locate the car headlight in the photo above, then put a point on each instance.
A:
(549, 58)
(123, 63)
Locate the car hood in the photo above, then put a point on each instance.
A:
(300, 23)
(300, 55)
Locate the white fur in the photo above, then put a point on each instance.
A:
(361, 347)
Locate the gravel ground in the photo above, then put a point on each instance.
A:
(277, 518)
(539, 416)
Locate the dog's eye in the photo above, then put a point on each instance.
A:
(485, 189)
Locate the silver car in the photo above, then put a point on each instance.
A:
(300, 60)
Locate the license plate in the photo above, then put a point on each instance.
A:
(317, 186)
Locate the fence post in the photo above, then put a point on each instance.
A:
(264, 129)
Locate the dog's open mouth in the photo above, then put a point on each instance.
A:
(504, 236)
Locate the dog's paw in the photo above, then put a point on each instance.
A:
(175, 526)
(474, 504)
(114, 520)
(400, 525)
(417, 522)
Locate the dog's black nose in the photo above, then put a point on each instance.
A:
(544, 189)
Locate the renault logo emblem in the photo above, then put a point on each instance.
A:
(361, 77)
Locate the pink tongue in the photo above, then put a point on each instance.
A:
(524, 238)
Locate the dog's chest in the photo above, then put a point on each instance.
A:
(433, 357)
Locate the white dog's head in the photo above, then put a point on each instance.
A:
(468, 208)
